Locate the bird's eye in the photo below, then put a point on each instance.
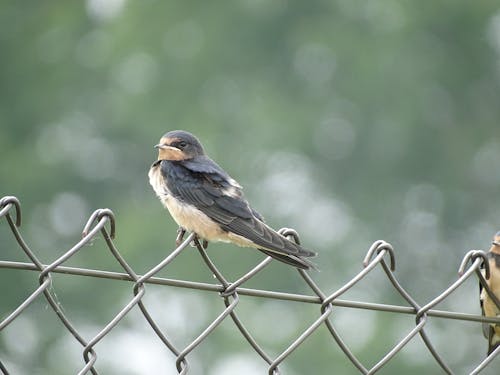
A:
(182, 144)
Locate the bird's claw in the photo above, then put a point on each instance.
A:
(196, 242)
(181, 232)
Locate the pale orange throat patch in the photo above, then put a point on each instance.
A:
(167, 152)
(170, 153)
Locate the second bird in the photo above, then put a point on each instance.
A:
(204, 199)
(490, 301)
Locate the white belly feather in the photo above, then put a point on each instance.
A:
(189, 217)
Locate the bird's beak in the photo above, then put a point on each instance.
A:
(161, 146)
(166, 152)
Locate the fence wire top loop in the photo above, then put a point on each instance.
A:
(291, 234)
(6, 204)
(228, 292)
(377, 247)
(470, 258)
(98, 215)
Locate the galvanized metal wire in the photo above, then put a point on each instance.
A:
(102, 223)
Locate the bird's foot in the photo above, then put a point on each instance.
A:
(181, 232)
(196, 242)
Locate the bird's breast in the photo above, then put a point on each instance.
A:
(489, 306)
(186, 215)
(494, 281)
(157, 181)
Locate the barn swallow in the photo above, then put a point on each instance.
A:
(202, 198)
(490, 302)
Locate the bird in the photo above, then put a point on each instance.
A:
(202, 198)
(490, 300)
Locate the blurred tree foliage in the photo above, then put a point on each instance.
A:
(350, 121)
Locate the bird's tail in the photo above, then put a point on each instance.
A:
(292, 260)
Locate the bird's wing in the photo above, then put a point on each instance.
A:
(221, 198)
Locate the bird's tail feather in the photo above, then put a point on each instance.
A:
(292, 260)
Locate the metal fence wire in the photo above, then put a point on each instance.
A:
(102, 223)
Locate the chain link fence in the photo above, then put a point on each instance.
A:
(102, 223)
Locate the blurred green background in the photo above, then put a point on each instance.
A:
(350, 121)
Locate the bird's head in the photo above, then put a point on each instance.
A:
(179, 145)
